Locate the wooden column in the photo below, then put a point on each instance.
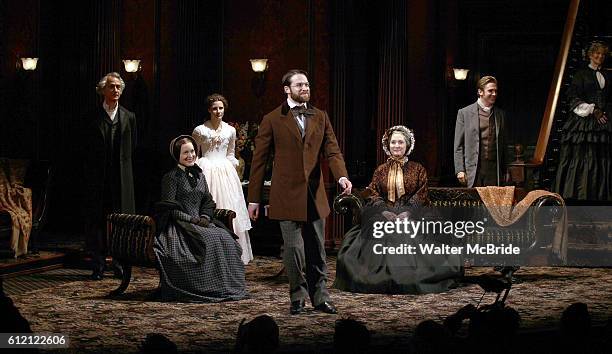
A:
(392, 70)
(107, 16)
(338, 92)
(198, 71)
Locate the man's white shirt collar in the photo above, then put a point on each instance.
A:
(292, 103)
(600, 78)
(111, 112)
(481, 104)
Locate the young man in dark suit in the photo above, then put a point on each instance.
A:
(479, 139)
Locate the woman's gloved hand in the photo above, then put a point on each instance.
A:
(204, 222)
(600, 116)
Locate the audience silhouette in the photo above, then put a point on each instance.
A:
(351, 336)
(156, 343)
(575, 329)
(430, 337)
(491, 328)
(260, 335)
(12, 320)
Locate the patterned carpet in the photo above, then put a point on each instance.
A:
(96, 324)
(52, 278)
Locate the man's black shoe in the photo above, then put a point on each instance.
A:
(326, 307)
(297, 307)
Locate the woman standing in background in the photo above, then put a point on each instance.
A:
(216, 141)
(585, 161)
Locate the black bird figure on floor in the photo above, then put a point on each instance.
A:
(491, 284)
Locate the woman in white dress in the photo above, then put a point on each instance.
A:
(217, 141)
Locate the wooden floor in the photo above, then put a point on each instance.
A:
(31, 263)
(52, 251)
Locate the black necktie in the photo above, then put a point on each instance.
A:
(297, 110)
(300, 112)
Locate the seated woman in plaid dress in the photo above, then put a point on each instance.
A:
(199, 259)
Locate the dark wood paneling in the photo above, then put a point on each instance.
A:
(446, 122)
(392, 70)
(519, 48)
(138, 42)
(338, 91)
(198, 59)
(106, 56)
(425, 84)
(319, 47)
(138, 34)
(389, 66)
(522, 89)
(279, 32)
(170, 123)
(355, 42)
(19, 90)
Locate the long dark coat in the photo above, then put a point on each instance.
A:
(94, 162)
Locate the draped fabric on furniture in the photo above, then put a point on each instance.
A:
(16, 201)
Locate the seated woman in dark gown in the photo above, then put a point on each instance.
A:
(199, 260)
(398, 191)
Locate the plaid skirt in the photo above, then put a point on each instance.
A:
(210, 272)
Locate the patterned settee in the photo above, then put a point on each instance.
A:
(533, 233)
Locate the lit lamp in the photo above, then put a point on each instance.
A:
(258, 84)
(29, 63)
(131, 65)
(460, 74)
(259, 65)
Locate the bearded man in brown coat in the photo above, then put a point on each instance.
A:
(298, 134)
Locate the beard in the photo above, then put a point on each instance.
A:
(300, 98)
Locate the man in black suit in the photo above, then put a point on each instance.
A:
(110, 132)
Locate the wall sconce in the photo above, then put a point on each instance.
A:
(131, 65)
(258, 84)
(259, 65)
(460, 74)
(29, 63)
